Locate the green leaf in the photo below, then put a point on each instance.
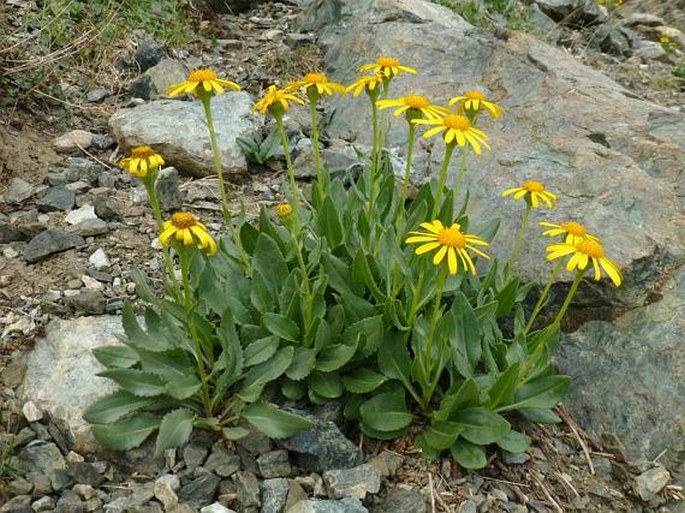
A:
(329, 223)
(259, 375)
(281, 326)
(174, 430)
(468, 394)
(544, 392)
(361, 271)
(468, 455)
(183, 388)
(302, 364)
(540, 415)
(116, 356)
(293, 390)
(386, 412)
(142, 384)
(481, 426)
(427, 451)
(515, 442)
(334, 357)
(338, 273)
(169, 365)
(135, 334)
(248, 237)
(368, 331)
(262, 296)
(126, 434)
(270, 263)
(506, 298)
(357, 308)
(234, 433)
(363, 380)
(260, 350)
(394, 360)
(273, 422)
(326, 384)
(382, 435)
(112, 407)
(441, 435)
(464, 336)
(502, 391)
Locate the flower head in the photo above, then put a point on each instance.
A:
(185, 228)
(584, 252)
(472, 102)
(572, 231)
(317, 83)
(202, 82)
(142, 159)
(457, 129)
(448, 241)
(368, 83)
(283, 210)
(387, 67)
(533, 192)
(414, 106)
(276, 101)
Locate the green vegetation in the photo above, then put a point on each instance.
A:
(479, 12)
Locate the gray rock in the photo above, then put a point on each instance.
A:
(613, 40)
(88, 301)
(107, 210)
(200, 491)
(274, 495)
(337, 158)
(573, 12)
(163, 75)
(468, 506)
(50, 242)
(255, 443)
(40, 457)
(89, 228)
(216, 507)
(353, 482)
(541, 23)
(177, 130)
(653, 52)
(43, 504)
(149, 53)
(61, 372)
(18, 504)
(651, 482)
(401, 499)
(18, 191)
(73, 141)
(41, 483)
(165, 490)
(99, 259)
(387, 463)
(222, 463)
(141, 88)
(168, 192)
(274, 464)
(142, 493)
(247, 489)
(629, 376)
(9, 233)
(31, 412)
(194, 455)
(56, 198)
(322, 447)
(97, 95)
(20, 486)
(85, 213)
(79, 168)
(84, 473)
(347, 505)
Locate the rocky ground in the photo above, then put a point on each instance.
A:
(73, 226)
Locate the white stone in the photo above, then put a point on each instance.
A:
(31, 412)
(78, 186)
(85, 213)
(216, 508)
(91, 283)
(10, 252)
(99, 259)
(165, 490)
(72, 141)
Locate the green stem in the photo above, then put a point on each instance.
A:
(374, 152)
(569, 297)
(442, 179)
(427, 362)
(321, 180)
(218, 169)
(413, 310)
(462, 170)
(294, 193)
(405, 184)
(519, 238)
(543, 295)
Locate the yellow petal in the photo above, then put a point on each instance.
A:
(440, 254)
(426, 248)
(452, 261)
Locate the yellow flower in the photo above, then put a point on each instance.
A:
(142, 159)
(413, 104)
(187, 229)
(319, 82)
(283, 210)
(573, 231)
(474, 101)
(276, 101)
(457, 129)
(207, 79)
(387, 67)
(584, 252)
(534, 192)
(448, 241)
(367, 83)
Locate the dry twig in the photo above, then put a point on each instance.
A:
(574, 429)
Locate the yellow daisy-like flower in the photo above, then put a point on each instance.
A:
(320, 82)
(534, 192)
(475, 101)
(276, 101)
(387, 67)
(367, 83)
(206, 80)
(572, 231)
(448, 241)
(457, 129)
(142, 159)
(185, 228)
(283, 210)
(584, 252)
(413, 103)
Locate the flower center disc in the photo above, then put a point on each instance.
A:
(182, 220)
(591, 248)
(574, 228)
(451, 237)
(315, 78)
(533, 186)
(457, 122)
(142, 152)
(416, 101)
(201, 75)
(475, 95)
(387, 62)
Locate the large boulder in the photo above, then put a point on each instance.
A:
(177, 130)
